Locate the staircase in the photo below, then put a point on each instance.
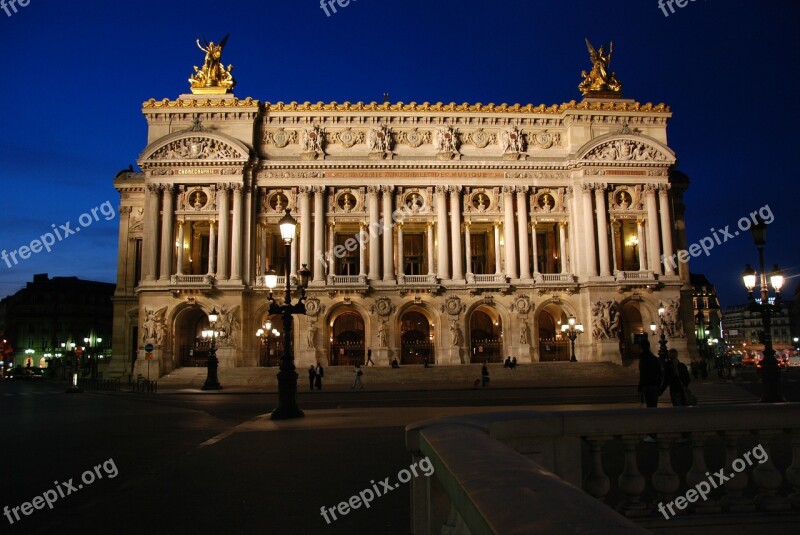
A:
(540, 374)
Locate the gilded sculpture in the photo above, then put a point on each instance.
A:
(213, 78)
(598, 80)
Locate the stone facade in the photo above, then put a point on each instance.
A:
(461, 233)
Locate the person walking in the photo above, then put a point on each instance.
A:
(369, 357)
(312, 377)
(484, 375)
(357, 380)
(649, 375)
(320, 372)
(676, 378)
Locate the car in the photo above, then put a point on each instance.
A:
(26, 373)
(794, 360)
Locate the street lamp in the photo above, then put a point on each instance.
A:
(264, 333)
(662, 339)
(770, 372)
(572, 329)
(212, 383)
(73, 387)
(93, 342)
(287, 376)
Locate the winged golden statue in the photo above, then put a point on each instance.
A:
(213, 77)
(598, 80)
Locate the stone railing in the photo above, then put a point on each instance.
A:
(635, 276)
(347, 280)
(548, 278)
(192, 279)
(417, 279)
(525, 470)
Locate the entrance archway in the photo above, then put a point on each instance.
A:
(552, 345)
(416, 338)
(270, 343)
(632, 331)
(486, 335)
(347, 340)
(191, 349)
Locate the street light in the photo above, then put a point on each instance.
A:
(93, 355)
(212, 383)
(770, 372)
(73, 387)
(572, 329)
(287, 376)
(264, 333)
(662, 340)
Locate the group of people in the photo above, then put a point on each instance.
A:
(315, 375)
(510, 363)
(656, 377)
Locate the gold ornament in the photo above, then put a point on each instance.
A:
(213, 78)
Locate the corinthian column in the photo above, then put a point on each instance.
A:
(388, 241)
(305, 225)
(362, 256)
(455, 231)
(602, 230)
(236, 231)
(372, 198)
(510, 238)
(653, 249)
(588, 231)
(497, 268)
(224, 232)
(522, 227)
(562, 242)
(468, 247)
(179, 270)
(150, 230)
(212, 249)
(166, 234)
(535, 241)
(400, 252)
(429, 226)
(441, 228)
(666, 227)
(642, 255)
(319, 234)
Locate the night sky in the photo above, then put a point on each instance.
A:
(76, 73)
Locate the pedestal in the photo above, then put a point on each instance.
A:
(451, 355)
(380, 356)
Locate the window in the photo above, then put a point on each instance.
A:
(413, 255)
(348, 264)
(480, 246)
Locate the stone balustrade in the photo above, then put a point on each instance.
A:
(604, 454)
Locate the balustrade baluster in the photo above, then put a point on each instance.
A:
(597, 484)
(697, 473)
(734, 500)
(665, 480)
(767, 478)
(793, 471)
(631, 481)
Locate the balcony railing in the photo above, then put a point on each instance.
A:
(347, 280)
(554, 278)
(417, 279)
(635, 276)
(192, 279)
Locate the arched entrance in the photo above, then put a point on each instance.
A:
(552, 345)
(270, 340)
(486, 335)
(416, 338)
(191, 349)
(347, 340)
(632, 331)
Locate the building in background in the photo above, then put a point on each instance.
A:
(707, 317)
(461, 233)
(44, 319)
(742, 328)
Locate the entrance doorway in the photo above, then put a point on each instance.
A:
(486, 335)
(347, 346)
(416, 339)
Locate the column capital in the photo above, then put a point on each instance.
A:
(429, 224)
(212, 223)
(454, 190)
(441, 190)
(562, 224)
(125, 209)
(508, 190)
(600, 187)
(467, 223)
(663, 189)
(154, 187)
(650, 188)
(522, 190)
(373, 190)
(236, 187)
(318, 190)
(304, 190)
(387, 189)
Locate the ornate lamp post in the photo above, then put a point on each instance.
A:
(212, 383)
(571, 330)
(92, 342)
(770, 372)
(73, 387)
(662, 339)
(287, 376)
(264, 332)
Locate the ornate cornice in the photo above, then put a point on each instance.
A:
(468, 108)
(200, 103)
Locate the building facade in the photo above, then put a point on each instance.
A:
(707, 317)
(461, 233)
(742, 328)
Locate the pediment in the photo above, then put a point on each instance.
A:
(194, 148)
(627, 149)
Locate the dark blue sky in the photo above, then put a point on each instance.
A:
(75, 75)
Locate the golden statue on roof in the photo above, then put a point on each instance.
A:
(598, 81)
(213, 78)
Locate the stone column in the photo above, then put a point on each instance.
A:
(236, 232)
(642, 256)
(212, 249)
(293, 252)
(562, 242)
(263, 249)
(535, 242)
(615, 239)
(305, 225)
(441, 228)
(602, 229)
(179, 270)
(522, 226)
(319, 234)
(372, 198)
(124, 256)
(497, 267)
(653, 249)
(224, 232)
(666, 227)
(576, 256)
(249, 226)
(588, 231)
(362, 260)
(468, 248)
(388, 242)
(429, 226)
(400, 259)
(331, 244)
(167, 216)
(455, 232)
(150, 231)
(510, 238)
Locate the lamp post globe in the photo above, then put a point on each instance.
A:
(212, 382)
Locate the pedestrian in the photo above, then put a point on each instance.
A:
(649, 375)
(704, 369)
(357, 380)
(676, 378)
(395, 364)
(425, 361)
(369, 357)
(513, 363)
(320, 373)
(507, 363)
(312, 377)
(695, 369)
(484, 375)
